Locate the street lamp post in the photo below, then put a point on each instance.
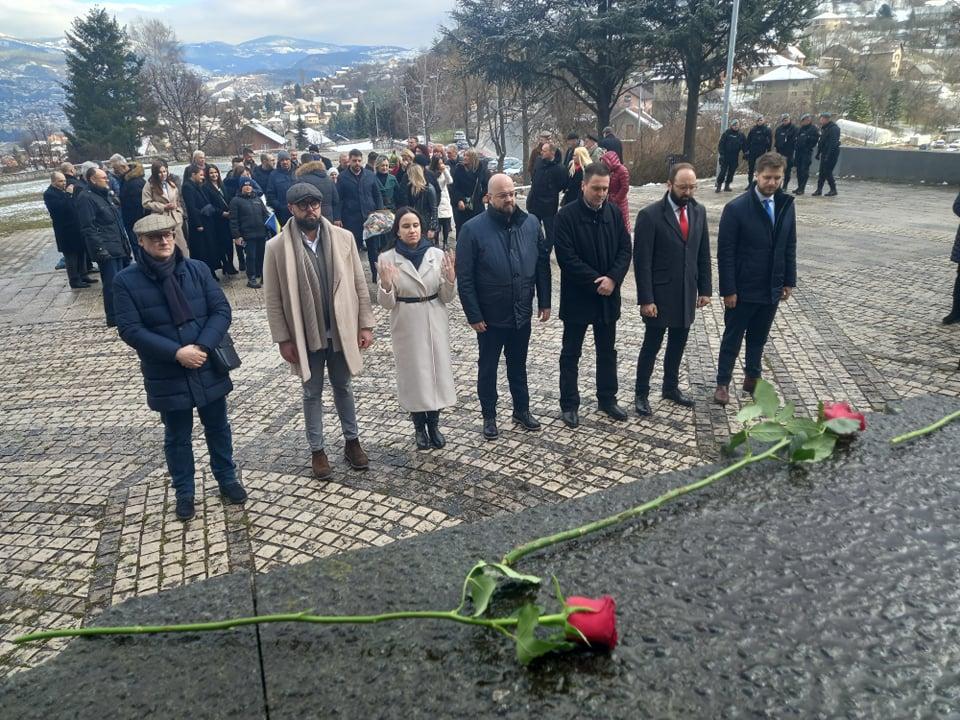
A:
(728, 81)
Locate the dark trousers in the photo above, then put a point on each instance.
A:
(751, 165)
(255, 250)
(373, 252)
(108, 271)
(956, 294)
(76, 265)
(652, 340)
(604, 340)
(826, 175)
(786, 173)
(443, 236)
(354, 223)
(549, 223)
(725, 176)
(753, 320)
(513, 343)
(803, 172)
(178, 448)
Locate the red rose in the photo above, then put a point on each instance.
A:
(837, 410)
(598, 627)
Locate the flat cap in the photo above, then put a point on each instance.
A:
(283, 155)
(153, 223)
(303, 191)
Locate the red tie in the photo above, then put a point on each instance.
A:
(684, 225)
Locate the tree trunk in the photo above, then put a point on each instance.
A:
(525, 130)
(690, 123)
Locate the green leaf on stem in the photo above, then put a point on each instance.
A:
(803, 427)
(802, 455)
(786, 412)
(843, 426)
(509, 572)
(768, 431)
(529, 646)
(821, 445)
(736, 441)
(481, 588)
(766, 397)
(749, 412)
(556, 588)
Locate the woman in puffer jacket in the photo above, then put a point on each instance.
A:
(619, 183)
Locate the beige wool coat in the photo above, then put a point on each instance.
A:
(154, 201)
(350, 309)
(420, 332)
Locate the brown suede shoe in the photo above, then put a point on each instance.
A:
(355, 455)
(749, 385)
(321, 466)
(721, 395)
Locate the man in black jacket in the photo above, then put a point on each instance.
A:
(194, 201)
(315, 173)
(785, 142)
(549, 180)
(101, 226)
(63, 215)
(612, 142)
(732, 143)
(807, 138)
(828, 152)
(757, 264)
(593, 252)
(671, 261)
(759, 141)
(501, 259)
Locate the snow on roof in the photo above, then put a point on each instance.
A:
(785, 73)
(267, 133)
(794, 53)
(645, 118)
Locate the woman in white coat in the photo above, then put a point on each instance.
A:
(417, 281)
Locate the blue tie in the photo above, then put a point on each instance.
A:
(768, 203)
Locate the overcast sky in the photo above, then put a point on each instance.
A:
(357, 22)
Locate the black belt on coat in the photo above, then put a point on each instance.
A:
(417, 299)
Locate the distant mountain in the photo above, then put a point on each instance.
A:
(284, 57)
(31, 70)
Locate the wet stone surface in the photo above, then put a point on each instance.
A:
(86, 512)
(824, 592)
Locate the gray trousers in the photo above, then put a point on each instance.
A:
(336, 366)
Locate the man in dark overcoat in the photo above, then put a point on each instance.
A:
(759, 141)
(732, 143)
(671, 261)
(757, 265)
(593, 252)
(785, 143)
(66, 231)
(807, 139)
(828, 153)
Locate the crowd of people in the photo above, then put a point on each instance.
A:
(796, 143)
(169, 306)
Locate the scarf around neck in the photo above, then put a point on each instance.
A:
(163, 270)
(416, 254)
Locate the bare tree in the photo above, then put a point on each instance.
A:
(185, 106)
(36, 131)
(425, 83)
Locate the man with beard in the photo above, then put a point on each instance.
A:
(281, 180)
(593, 252)
(807, 138)
(828, 152)
(501, 259)
(671, 262)
(757, 265)
(261, 172)
(785, 142)
(318, 309)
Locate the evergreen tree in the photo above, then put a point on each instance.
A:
(103, 88)
(301, 132)
(297, 91)
(858, 109)
(361, 119)
(894, 109)
(270, 103)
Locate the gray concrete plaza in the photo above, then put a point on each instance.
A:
(86, 511)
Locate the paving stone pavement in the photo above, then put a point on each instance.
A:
(86, 513)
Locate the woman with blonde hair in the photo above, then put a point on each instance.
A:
(422, 197)
(161, 196)
(469, 188)
(581, 158)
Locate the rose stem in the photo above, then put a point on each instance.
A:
(926, 430)
(514, 555)
(495, 624)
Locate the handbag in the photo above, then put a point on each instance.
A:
(224, 357)
(468, 202)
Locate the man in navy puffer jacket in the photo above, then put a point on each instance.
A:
(174, 314)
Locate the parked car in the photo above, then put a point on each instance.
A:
(511, 165)
(955, 145)
(939, 144)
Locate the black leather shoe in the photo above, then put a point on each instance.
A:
(614, 411)
(437, 439)
(490, 431)
(798, 191)
(528, 421)
(832, 193)
(88, 279)
(571, 418)
(79, 285)
(678, 397)
(817, 192)
(642, 405)
(727, 188)
(184, 509)
(234, 493)
(420, 428)
(953, 317)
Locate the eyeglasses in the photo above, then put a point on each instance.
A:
(308, 204)
(165, 236)
(505, 195)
